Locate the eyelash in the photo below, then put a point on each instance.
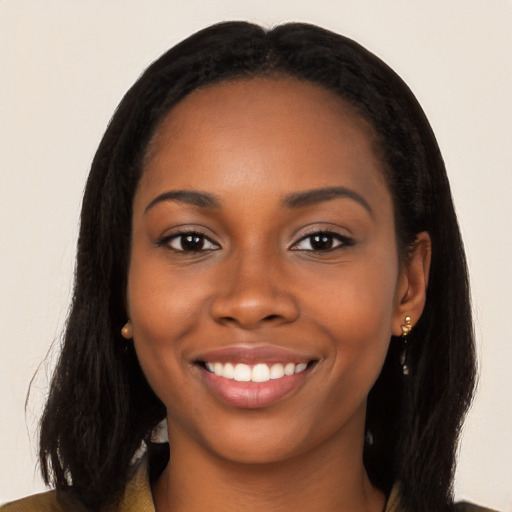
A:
(168, 240)
(329, 237)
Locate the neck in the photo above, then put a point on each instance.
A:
(331, 477)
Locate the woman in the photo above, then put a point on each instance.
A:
(260, 225)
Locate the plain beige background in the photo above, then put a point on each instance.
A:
(64, 66)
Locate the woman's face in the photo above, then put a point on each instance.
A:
(263, 248)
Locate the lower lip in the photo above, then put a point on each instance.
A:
(252, 395)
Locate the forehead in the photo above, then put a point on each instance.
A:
(292, 133)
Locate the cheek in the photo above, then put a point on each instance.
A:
(164, 305)
(359, 296)
(165, 310)
(356, 313)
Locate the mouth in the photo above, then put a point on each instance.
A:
(255, 377)
(258, 373)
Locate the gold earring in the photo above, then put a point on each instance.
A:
(127, 330)
(406, 329)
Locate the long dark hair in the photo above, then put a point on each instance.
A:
(100, 407)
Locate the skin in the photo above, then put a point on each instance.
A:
(256, 280)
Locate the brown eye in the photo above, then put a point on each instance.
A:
(190, 242)
(322, 242)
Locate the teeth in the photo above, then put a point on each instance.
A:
(300, 367)
(289, 369)
(242, 373)
(261, 372)
(277, 371)
(218, 369)
(228, 371)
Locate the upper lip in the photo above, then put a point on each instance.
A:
(253, 354)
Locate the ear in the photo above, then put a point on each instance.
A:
(411, 291)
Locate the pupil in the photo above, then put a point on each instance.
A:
(192, 242)
(320, 242)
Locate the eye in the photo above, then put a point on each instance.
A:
(189, 242)
(322, 241)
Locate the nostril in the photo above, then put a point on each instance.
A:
(250, 310)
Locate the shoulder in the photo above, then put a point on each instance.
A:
(464, 506)
(394, 504)
(135, 498)
(50, 501)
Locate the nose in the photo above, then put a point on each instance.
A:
(253, 294)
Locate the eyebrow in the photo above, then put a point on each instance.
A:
(193, 197)
(294, 200)
(319, 195)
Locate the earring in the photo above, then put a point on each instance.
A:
(127, 330)
(406, 329)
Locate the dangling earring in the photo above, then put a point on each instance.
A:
(406, 329)
(127, 330)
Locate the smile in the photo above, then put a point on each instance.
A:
(254, 376)
(261, 372)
